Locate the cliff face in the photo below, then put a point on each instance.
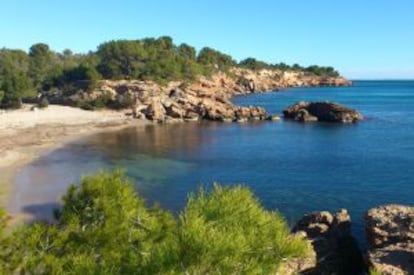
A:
(241, 81)
(205, 98)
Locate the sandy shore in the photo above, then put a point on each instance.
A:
(24, 134)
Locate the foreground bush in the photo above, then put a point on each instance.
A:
(104, 227)
(228, 231)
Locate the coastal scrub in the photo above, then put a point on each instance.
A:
(105, 227)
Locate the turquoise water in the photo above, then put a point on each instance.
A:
(292, 167)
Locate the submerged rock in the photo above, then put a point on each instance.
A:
(322, 111)
(390, 234)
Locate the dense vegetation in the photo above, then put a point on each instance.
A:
(254, 64)
(43, 71)
(104, 227)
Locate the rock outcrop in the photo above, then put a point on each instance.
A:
(322, 111)
(204, 98)
(177, 103)
(335, 248)
(390, 235)
(270, 80)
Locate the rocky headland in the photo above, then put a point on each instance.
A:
(204, 98)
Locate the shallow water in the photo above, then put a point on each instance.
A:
(295, 168)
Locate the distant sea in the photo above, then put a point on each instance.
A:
(292, 167)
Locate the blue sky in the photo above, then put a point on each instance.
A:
(362, 39)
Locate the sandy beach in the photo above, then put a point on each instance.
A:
(24, 134)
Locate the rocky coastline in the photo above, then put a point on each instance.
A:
(390, 228)
(176, 101)
(204, 98)
(390, 239)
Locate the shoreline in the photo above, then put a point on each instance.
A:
(25, 135)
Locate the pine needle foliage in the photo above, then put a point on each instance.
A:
(105, 227)
(227, 231)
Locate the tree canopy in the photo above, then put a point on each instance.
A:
(253, 64)
(14, 79)
(158, 59)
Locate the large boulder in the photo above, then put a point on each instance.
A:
(250, 113)
(322, 111)
(390, 235)
(336, 249)
(172, 109)
(155, 111)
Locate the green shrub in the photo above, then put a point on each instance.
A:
(373, 271)
(104, 227)
(123, 101)
(85, 105)
(11, 101)
(102, 101)
(253, 64)
(3, 243)
(228, 231)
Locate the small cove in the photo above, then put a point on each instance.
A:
(292, 167)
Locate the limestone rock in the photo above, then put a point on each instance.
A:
(303, 115)
(390, 234)
(394, 259)
(155, 111)
(242, 113)
(335, 248)
(174, 111)
(191, 116)
(390, 224)
(258, 113)
(322, 111)
(139, 111)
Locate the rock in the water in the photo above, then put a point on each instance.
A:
(303, 115)
(274, 118)
(336, 250)
(242, 113)
(191, 116)
(322, 111)
(258, 113)
(390, 234)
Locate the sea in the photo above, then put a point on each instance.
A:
(294, 168)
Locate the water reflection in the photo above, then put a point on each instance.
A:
(155, 157)
(178, 141)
